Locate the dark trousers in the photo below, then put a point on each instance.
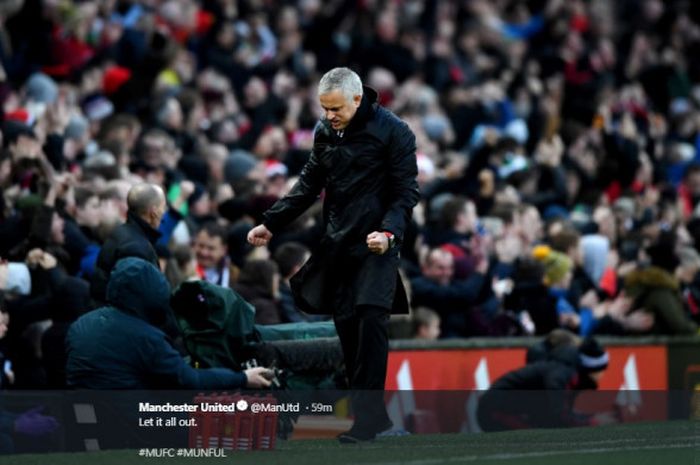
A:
(365, 341)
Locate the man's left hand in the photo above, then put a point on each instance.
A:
(377, 242)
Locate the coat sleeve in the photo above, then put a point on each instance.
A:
(304, 193)
(669, 310)
(164, 362)
(463, 293)
(402, 179)
(54, 151)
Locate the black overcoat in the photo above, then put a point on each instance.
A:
(369, 177)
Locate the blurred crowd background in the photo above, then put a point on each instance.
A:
(558, 155)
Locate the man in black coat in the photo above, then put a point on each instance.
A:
(135, 238)
(364, 157)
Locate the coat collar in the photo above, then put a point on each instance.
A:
(151, 234)
(368, 106)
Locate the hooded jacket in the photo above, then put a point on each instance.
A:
(120, 346)
(658, 292)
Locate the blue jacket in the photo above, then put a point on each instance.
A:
(120, 347)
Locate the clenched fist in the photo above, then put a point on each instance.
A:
(377, 242)
(259, 235)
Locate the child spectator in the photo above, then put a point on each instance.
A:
(426, 324)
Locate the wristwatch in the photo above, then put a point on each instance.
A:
(391, 238)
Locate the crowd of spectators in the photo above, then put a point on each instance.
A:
(558, 155)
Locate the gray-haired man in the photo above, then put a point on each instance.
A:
(365, 159)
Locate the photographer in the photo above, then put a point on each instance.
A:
(119, 346)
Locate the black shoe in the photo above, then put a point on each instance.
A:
(355, 437)
(358, 434)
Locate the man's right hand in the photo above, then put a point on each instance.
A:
(259, 235)
(258, 377)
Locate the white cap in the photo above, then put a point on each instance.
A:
(17, 279)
